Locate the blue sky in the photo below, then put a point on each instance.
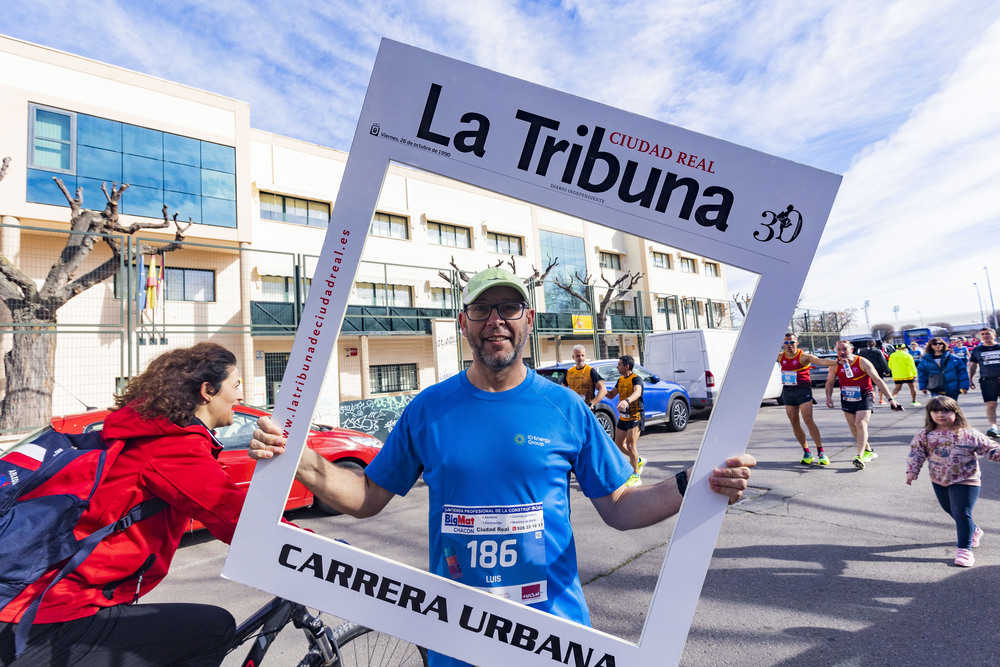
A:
(900, 97)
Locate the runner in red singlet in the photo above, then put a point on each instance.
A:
(857, 397)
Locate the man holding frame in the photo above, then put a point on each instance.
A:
(495, 445)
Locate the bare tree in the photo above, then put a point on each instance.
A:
(460, 278)
(29, 365)
(581, 288)
(743, 302)
(883, 331)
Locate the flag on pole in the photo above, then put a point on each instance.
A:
(152, 284)
(140, 290)
(159, 278)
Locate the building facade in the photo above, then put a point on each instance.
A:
(257, 205)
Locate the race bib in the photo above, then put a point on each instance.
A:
(498, 549)
(991, 358)
(850, 393)
(789, 378)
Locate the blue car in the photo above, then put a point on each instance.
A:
(664, 403)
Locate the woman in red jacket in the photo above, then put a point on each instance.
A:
(167, 415)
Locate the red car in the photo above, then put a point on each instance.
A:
(338, 445)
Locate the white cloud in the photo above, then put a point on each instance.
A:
(916, 217)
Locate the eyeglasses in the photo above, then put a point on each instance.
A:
(477, 312)
(937, 344)
(789, 342)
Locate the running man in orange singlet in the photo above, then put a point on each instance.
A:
(583, 379)
(628, 389)
(796, 394)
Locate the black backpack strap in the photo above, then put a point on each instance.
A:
(143, 510)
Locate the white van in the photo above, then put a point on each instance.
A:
(697, 360)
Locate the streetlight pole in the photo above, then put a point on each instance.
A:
(979, 299)
(993, 308)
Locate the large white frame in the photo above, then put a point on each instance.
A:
(751, 210)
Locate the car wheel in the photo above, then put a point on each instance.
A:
(607, 422)
(327, 509)
(677, 415)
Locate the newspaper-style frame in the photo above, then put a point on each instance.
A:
(641, 176)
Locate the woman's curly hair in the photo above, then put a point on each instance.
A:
(171, 386)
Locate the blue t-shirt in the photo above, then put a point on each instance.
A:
(497, 467)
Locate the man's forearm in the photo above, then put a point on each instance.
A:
(348, 490)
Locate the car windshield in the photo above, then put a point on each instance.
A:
(238, 434)
(610, 374)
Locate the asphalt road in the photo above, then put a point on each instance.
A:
(818, 566)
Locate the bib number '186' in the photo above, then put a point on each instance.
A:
(499, 549)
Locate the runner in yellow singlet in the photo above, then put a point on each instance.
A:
(628, 389)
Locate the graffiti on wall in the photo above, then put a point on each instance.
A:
(374, 416)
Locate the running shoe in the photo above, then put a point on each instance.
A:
(964, 558)
(823, 460)
(858, 463)
(915, 403)
(869, 455)
(642, 464)
(977, 536)
(993, 432)
(807, 460)
(634, 480)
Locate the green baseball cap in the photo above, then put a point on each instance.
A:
(493, 277)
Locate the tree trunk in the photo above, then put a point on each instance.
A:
(29, 368)
(601, 323)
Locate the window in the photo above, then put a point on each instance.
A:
(378, 294)
(610, 260)
(189, 284)
(572, 261)
(441, 234)
(195, 178)
(52, 139)
(689, 265)
(274, 370)
(387, 378)
(616, 308)
(297, 211)
(504, 243)
(662, 260)
(390, 226)
(280, 288)
(441, 297)
(711, 269)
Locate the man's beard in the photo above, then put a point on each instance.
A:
(499, 361)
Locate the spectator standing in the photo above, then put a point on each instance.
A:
(986, 359)
(940, 372)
